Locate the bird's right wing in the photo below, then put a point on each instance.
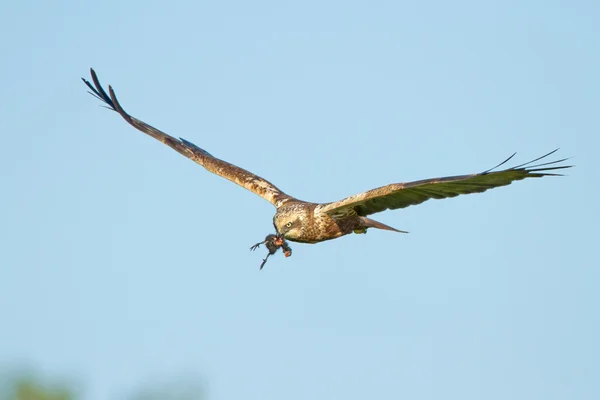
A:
(246, 179)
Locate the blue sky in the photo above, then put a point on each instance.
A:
(124, 264)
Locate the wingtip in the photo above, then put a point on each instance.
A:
(501, 164)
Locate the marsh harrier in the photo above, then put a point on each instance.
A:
(304, 222)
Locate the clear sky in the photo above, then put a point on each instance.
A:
(124, 264)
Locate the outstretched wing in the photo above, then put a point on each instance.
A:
(400, 195)
(254, 183)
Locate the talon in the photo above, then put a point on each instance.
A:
(256, 246)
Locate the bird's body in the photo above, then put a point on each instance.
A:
(305, 222)
(310, 224)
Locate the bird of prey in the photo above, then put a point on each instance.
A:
(301, 221)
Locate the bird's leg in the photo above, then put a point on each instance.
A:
(271, 243)
(264, 261)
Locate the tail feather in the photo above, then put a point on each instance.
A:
(371, 223)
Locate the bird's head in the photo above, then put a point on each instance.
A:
(289, 227)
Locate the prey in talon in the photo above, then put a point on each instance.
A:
(273, 243)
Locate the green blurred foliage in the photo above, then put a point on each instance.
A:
(30, 387)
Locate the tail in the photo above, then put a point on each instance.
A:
(370, 223)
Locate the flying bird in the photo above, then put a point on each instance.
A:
(304, 222)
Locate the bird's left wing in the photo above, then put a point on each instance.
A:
(400, 195)
(246, 179)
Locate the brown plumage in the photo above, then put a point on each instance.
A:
(304, 222)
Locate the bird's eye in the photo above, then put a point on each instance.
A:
(289, 225)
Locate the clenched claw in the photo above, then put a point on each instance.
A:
(273, 243)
